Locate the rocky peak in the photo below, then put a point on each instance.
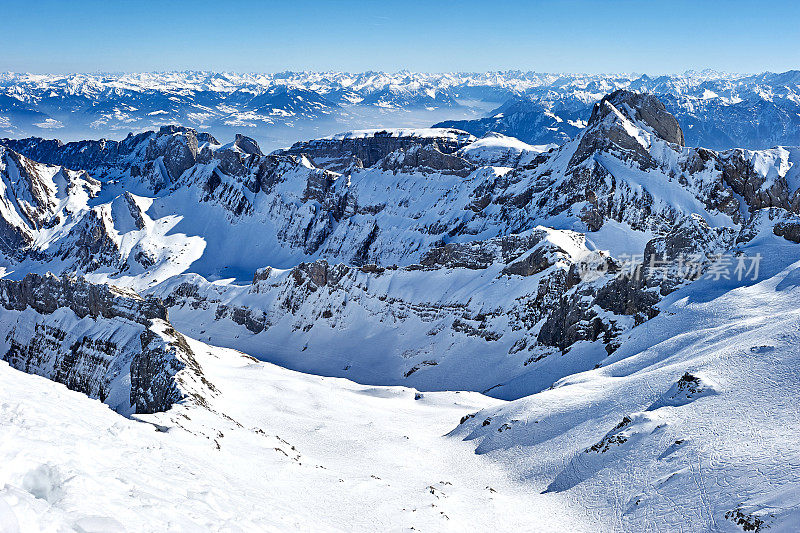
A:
(172, 129)
(27, 182)
(627, 123)
(247, 145)
(177, 146)
(644, 110)
(207, 138)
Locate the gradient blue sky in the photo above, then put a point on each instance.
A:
(556, 36)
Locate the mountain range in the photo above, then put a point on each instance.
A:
(588, 331)
(715, 110)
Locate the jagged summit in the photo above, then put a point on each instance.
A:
(644, 110)
(247, 145)
(629, 123)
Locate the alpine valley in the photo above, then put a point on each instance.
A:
(485, 325)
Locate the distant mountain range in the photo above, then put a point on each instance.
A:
(715, 110)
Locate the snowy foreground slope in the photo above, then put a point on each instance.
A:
(617, 312)
(691, 425)
(273, 450)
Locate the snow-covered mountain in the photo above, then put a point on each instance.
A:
(612, 303)
(716, 110)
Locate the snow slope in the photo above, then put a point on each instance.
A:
(690, 430)
(682, 425)
(275, 451)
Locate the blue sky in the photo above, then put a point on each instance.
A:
(553, 36)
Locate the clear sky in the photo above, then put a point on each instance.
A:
(356, 35)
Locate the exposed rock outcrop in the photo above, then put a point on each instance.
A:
(538, 253)
(367, 148)
(609, 127)
(106, 342)
(45, 294)
(426, 158)
(247, 145)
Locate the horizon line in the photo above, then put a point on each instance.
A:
(686, 72)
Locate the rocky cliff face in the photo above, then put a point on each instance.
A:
(365, 148)
(426, 159)
(106, 342)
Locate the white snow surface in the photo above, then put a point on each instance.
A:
(501, 150)
(276, 451)
(680, 461)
